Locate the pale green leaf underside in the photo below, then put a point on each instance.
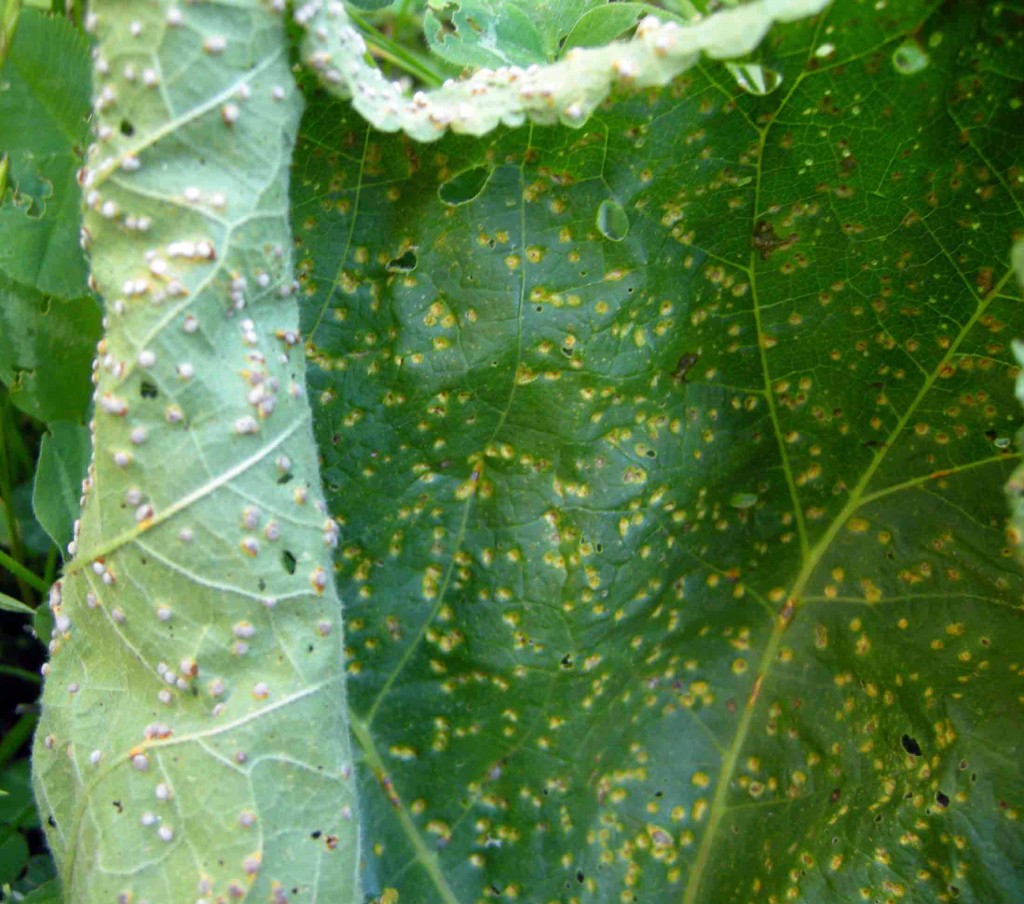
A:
(193, 743)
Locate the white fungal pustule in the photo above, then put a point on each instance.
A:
(146, 358)
(114, 405)
(185, 370)
(230, 113)
(246, 426)
(250, 546)
(318, 579)
(330, 530)
(215, 44)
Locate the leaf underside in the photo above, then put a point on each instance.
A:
(192, 744)
(673, 555)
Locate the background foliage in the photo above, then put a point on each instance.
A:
(670, 455)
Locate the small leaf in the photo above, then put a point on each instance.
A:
(608, 22)
(13, 857)
(44, 102)
(46, 351)
(48, 893)
(10, 604)
(477, 33)
(63, 460)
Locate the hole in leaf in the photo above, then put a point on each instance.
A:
(612, 220)
(755, 78)
(288, 561)
(285, 477)
(148, 390)
(910, 745)
(127, 128)
(941, 799)
(465, 186)
(404, 263)
(910, 57)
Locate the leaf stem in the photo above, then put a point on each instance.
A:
(23, 674)
(7, 497)
(409, 61)
(19, 733)
(50, 569)
(21, 573)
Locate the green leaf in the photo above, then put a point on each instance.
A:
(192, 743)
(48, 893)
(32, 535)
(44, 101)
(13, 856)
(46, 351)
(503, 32)
(17, 813)
(477, 33)
(610, 21)
(10, 604)
(675, 566)
(63, 461)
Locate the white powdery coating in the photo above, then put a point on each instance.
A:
(567, 91)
